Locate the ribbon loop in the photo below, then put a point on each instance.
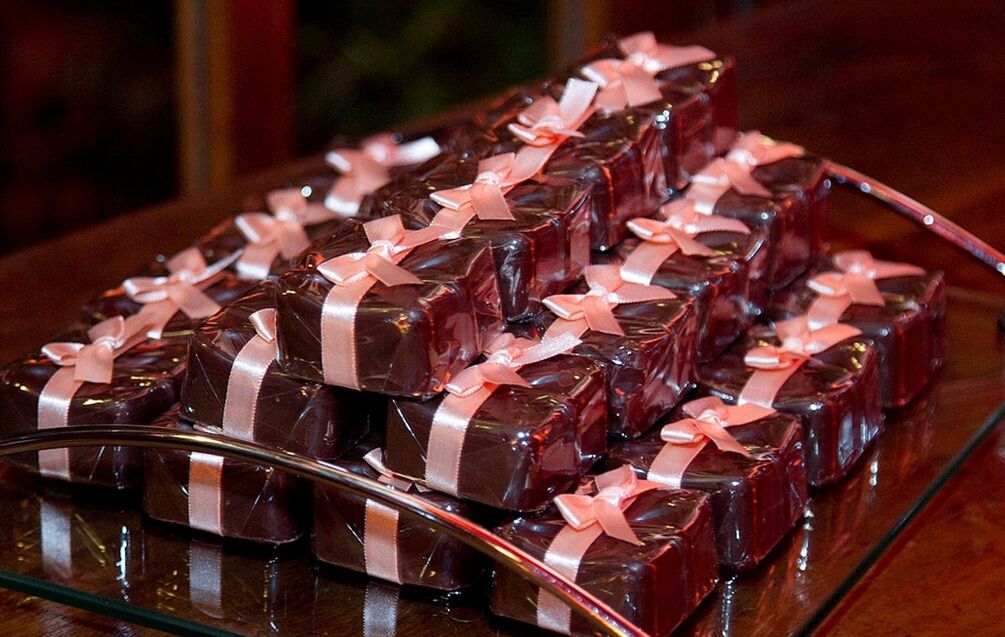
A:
(643, 50)
(506, 355)
(615, 491)
(389, 244)
(754, 149)
(718, 177)
(549, 123)
(94, 362)
(264, 322)
(375, 458)
(622, 84)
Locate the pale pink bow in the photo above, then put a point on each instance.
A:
(290, 204)
(506, 355)
(268, 237)
(709, 420)
(615, 492)
(179, 291)
(606, 291)
(754, 149)
(856, 277)
(375, 458)
(548, 123)
(94, 362)
(642, 50)
(718, 177)
(622, 83)
(264, 322)
(387, 151)
(798, 342)
(390, 242)
(497, 175)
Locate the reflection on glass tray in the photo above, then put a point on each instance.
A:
(104, 547)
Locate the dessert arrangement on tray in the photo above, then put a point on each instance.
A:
(595, 317)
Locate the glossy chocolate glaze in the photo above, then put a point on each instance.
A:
(835, 395)
(655, 585)
(144, 385)
(293, 415)
(756, 500)
(909, 331)
(524, 445)
(258, 504)
(411, 338)
(426, 556)
(729, 289)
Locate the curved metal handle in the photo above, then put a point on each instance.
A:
(920, 214)
(479, 538)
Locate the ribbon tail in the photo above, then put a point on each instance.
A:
(192, 301)
(689, 246)
(255, 263)
(489, 203)
(388, 273)
(645, 260)
(863, 291)
(612, 520)
(600, 316)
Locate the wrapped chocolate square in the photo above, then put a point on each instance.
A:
(388, 310)
(899, 306)
(370, 537)
(235, 385)
(748, 458)
(107, 374)
(511, 432)
(643, 336)
(175, 301)
(717, 261)
(770, 185)
(827, 378)
(222, 496)
(539, 231)
(646, 551)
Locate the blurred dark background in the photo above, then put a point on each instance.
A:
(108, 106)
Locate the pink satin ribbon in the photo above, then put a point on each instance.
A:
(497, 175)
(622, 83)
(588, 517)
(205, 489)
(365, 170)
(774, 365)
(854, 283)
(80, 363)
(719, 177)
(548, 123)
(353, 275)
(754, 149)
(708, 422)
(380, 610)
(580, 313)
(662, 238)
(468, 390)
(643, 50)
(163, 296)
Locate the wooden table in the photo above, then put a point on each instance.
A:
(909, 92)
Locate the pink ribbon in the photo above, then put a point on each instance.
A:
(717, 178)
(579, 313)
(774, 364)
(708, 422)
(353, 275)
(642, 50)
(163, 296)
(622, 83)
(80, 363)
(661, 239)
(548, 123)
(365, 170)
(466, 393)
(854, 283)
(754, 149)
(205, 488)
(497, 175)
(588, 517)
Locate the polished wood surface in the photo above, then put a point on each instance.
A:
(909, 92)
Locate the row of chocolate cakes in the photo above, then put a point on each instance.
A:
(593, 316)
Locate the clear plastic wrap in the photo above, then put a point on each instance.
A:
(834, 394)
(290, 414)
(756, 500)
(523, 445)
(144, 385)
(655, 585)
(251, 502)
(410, 338)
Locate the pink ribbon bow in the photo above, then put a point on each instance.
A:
(240, 405)
(365, 170)
(375, 458)
(497, 175)
(549, 123)
(676, 231)
(642, 50)
(615, 492)
(268, 237)
(466, 393)
(622, 83)
(390, 242)
(774, 364)
(180, 291)
(595, 309)
(754, 149)
(854, 282)
(93, 362)
(718, 177)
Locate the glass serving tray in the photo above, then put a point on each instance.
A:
(95, 551)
